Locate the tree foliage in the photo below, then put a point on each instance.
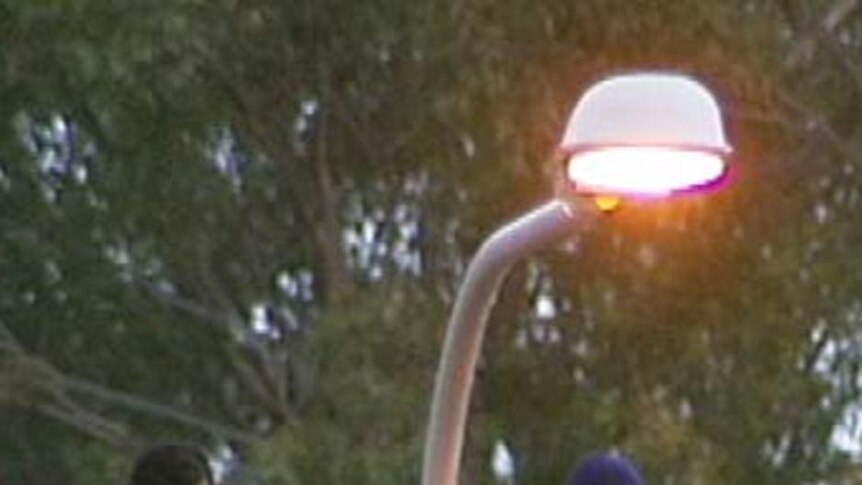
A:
(242, 223)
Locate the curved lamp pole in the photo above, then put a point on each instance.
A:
(642, 135)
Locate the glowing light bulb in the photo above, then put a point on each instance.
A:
(643, 171)
(607, 203)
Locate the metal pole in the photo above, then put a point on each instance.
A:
(454, 381)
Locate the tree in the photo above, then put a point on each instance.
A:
(200, 200)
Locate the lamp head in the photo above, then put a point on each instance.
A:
(645, 134)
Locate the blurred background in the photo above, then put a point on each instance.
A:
(241, 223)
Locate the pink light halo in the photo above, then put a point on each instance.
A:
(647, 134)
(644, 171)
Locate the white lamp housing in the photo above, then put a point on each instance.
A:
(645, 134)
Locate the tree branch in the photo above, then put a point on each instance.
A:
(90, 424)
(139, 404)
(190, 307)
(59, 384)
(840, 11)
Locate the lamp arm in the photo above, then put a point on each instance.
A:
(454, 381)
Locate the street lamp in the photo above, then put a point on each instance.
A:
(642, 135)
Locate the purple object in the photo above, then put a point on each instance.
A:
(604, 469)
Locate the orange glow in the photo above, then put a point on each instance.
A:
(607, 203)
(644, 171)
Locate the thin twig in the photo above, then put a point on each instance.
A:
(61, 383)
(189, 306)
(136, 403)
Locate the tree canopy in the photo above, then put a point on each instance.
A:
(242, 224)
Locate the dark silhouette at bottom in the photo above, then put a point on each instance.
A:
(605, 469)
(172, 464)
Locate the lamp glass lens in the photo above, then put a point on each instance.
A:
(645, 171)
